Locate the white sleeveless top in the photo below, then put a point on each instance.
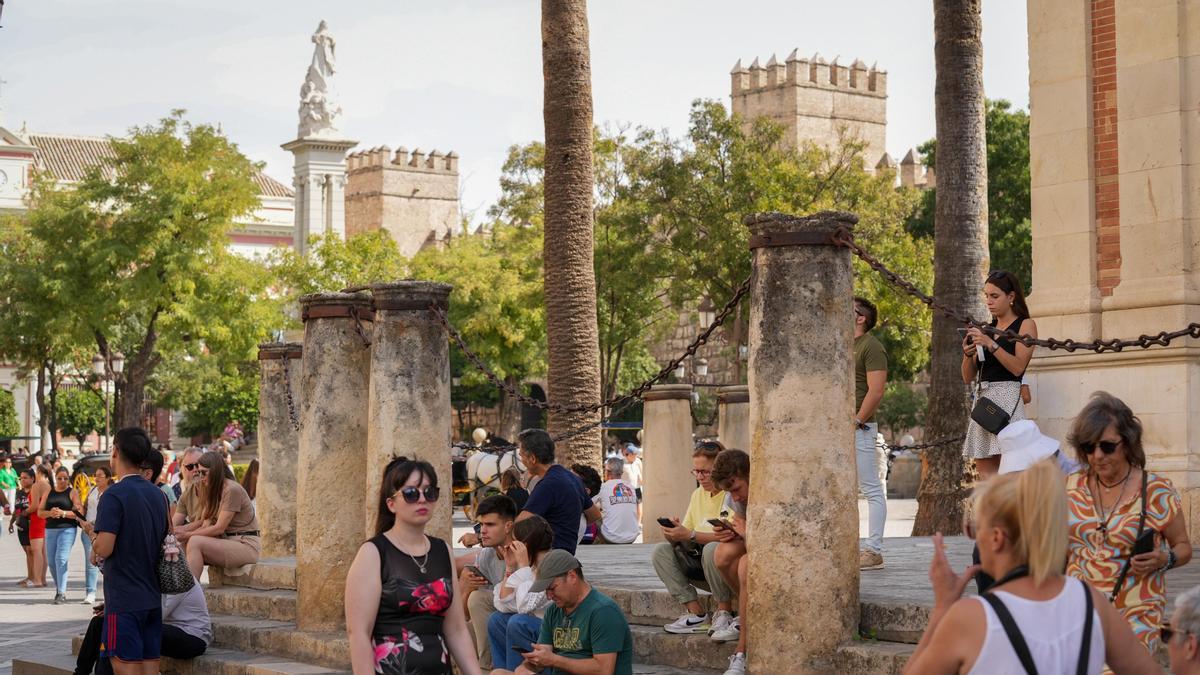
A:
(1053, 629)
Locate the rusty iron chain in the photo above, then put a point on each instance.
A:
(844, 237)
(287, 388)
(917, 447)
(358, 327)
(634, 394)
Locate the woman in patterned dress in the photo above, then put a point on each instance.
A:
(403, 612)
(1004, 362)
(1105, 505)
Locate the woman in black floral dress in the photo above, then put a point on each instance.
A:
(403, 613)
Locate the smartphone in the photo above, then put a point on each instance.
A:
(962, 333)
(722, 524)
(476, 571)
(1144, 543)
(666, 522)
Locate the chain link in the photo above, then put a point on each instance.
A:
(287, 388)
(844, 237)
(917, 447)
(613, 403)
(358, 327)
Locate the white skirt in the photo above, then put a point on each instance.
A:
(979, 443)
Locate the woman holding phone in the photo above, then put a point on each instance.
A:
(1004, 362)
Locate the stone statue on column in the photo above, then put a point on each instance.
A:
(320, 110)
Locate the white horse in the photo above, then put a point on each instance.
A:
(483, 472)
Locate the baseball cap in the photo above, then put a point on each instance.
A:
(556, 563)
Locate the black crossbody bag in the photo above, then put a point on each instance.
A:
(1018, 641)
(987, 413)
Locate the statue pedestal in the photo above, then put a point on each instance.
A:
(319, 180)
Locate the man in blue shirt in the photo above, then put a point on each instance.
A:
(559, 495)
(131, 522)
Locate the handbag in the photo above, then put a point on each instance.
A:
(690, 560)
(989, 415)
(174, 575)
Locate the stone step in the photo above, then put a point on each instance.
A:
(277, 605)
(268, 574)
(215, 661)
(280, 638)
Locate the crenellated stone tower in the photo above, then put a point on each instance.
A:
(414, 196)
(816, 101)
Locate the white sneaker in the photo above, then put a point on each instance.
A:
(687, 624)
(737, 664)
(88, 599)
(730, 633)
(720, 621)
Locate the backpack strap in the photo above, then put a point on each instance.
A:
(1014, 634)
(1085, 647)
(1141, 527)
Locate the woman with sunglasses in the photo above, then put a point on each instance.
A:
(404, 615)
(60, 507)
(1003, 365)
(1065, 626)
(1107, 500)
(225, 530)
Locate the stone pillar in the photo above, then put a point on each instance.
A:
(333, 456)
(733, 417)
(409, 410)
(803, 502)
(667, 459)
(278, 444)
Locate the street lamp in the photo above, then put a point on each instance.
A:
(680, 371)
(105, 371)
(702, 368)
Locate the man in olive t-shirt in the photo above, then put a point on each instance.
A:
(583, 631)
(870, 378)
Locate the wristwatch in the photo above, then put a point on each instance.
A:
(692, 537)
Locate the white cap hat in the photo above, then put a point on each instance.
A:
(1022, 445)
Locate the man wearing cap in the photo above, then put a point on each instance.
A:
(631, 473)
(584, 633)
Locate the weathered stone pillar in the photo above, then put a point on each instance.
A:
(409, 411)
(278, 446)
(733, 417)
(667, 461)
(333, 444)
(803, 487)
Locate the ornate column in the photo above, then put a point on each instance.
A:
(333, 444)
(803, 487)
(409, 409)
(667, 461)
(278, 445)
(733, 416)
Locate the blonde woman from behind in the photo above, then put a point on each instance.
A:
(1056, 623)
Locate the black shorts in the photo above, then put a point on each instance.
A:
(638, 492)
(23, 536)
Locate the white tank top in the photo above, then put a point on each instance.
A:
(1053, 629)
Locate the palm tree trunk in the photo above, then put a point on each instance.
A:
(960, 250)
(570, 284)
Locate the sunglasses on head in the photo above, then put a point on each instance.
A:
(412, 495)
(1107, 447)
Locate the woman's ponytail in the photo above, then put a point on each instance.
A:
(1042, 517)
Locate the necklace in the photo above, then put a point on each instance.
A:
(1103, 518)
(1120, 482)
(424, 559)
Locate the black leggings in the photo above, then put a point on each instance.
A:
(176, 644)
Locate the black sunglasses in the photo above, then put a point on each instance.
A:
(192, 466)
(1166, 633)
(1107, 447)
(412, 495)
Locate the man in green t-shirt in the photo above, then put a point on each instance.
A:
(870, 378)
(583, 632)
(8, 481)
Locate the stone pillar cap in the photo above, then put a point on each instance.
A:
(774, 222)
(410, 294)
(666, 392)
(279, 350)
(736, 393)
(327, 305)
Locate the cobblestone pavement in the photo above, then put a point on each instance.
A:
(29, 624)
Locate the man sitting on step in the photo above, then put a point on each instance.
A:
(583, 632)
(731, 472)
(685, 561)
(494, 517)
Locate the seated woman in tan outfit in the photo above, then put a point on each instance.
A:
(226, 532)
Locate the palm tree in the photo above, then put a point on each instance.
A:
(570, 283)
(960, 249)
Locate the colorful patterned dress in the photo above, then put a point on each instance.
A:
(1098, 559)
(408, 637)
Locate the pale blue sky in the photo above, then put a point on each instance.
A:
(449, 74)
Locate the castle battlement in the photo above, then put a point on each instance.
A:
(813, 72)
(381, 156)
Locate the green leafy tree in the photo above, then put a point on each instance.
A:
(230, 397)
(333, 264)
(9, 424)
(1010, 241)
(902, 408)
(139, 253)
(80, 413)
